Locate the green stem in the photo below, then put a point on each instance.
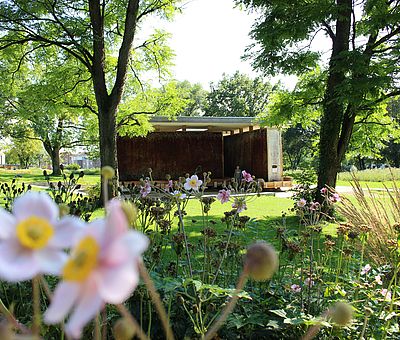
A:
(11, 318)
(125, 313)
(229, 307)
(155, 297)
(36, 306)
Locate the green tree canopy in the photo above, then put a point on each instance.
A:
(238, 96)
(98, 34)
(361, 71)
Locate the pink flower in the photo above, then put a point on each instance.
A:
(246, 176)
(335, 198)
(295, 288)
(170, 184)
(387, 294)
(33, 237)
(239, 204)
(224, 195)
(308, 282)
(102, 269)
(193, 183)
(378, 279)
(365, 269)
(315, 206)
(301, 203)
(324, 191)
(145, 190)
(179, 195)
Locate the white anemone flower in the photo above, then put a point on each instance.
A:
(193, 183)
(32, 237)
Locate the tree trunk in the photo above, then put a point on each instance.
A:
(334, 110)
(108, 144)
(55, 161)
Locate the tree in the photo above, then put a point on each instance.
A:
(24, 152)
(41, 104)
(297, 146)
(301, 109)
(391, 150)
(98, 34)
(238, 96)
(361, 71)
(196, 98)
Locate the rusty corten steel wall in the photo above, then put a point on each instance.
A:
(249, 151)
(174, 153)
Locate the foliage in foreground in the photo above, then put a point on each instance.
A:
(195, 273)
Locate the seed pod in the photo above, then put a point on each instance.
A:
(107, 172)
(341, 313)
(261, 261)
(123, 330)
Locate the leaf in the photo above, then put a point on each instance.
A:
(279, 312)
(294, 321)
(273, 324)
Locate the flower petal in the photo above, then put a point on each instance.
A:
(117, 284)
(65, 231)
(126, 248)
(88, 306)
(117, 223)
(95, 229)
(7, 225)
(35, 204)
(64, 298)
(50, 260)
(16, 262)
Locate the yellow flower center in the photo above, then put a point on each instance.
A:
(82, 261)
(34, 232)
(193, 183)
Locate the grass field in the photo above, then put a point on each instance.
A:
(35, 176)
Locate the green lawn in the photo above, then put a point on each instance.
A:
(35, 176)
(370, 184)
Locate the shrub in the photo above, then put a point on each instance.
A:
(73, 166)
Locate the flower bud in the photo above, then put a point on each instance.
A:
(130, 211)
(107, 172)
(261, 261)
(368, 311)
(341, 313)
(124, 330)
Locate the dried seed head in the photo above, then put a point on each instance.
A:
(107, 172)
(341, 313)
(123, 329)
(261, 261)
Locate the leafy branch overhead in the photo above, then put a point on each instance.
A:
(359, 71)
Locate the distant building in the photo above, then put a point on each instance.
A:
(2, 158)
(80, 158)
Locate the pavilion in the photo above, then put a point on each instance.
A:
(198, 144)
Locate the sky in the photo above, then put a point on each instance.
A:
(209, 38)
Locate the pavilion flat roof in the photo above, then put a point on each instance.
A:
(212, 124)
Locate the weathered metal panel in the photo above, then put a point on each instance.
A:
(274, 146)
(174, 153)
(249, 151)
